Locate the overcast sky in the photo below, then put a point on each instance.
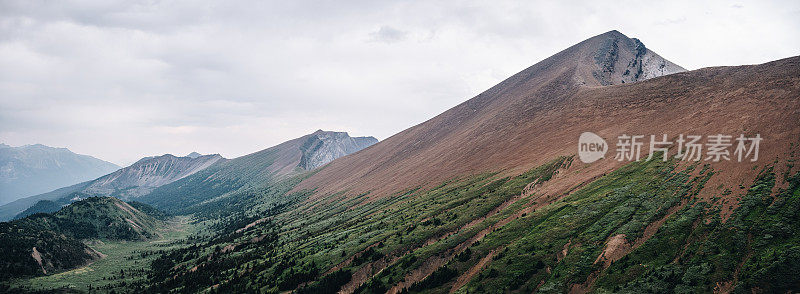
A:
(120, 81)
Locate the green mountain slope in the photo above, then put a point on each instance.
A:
(643, 226)
(457, 205)
(108, 218)
(259, 169)
(47, 243)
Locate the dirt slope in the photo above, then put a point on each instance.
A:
(538, 114)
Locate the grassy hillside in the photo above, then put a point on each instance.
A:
(32, 247)
(643, 226)
(253, 170)
(108, 218)
(46, 243)
(123, 269)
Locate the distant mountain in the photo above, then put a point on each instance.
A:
(47, 243)
(43, 206)
(146, 174)
(261, 168)
(323, 147)
(34, 169)
(9, 210)
(127, 183)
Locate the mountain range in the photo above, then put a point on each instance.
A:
(34, 169)
(130, 182)
(490, 197)
(146, 175)
(259, 169)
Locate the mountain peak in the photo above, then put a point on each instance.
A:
(463, 139)
(618, 59)
(322, 147)
(149, 173)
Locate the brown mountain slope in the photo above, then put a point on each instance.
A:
(538, 114)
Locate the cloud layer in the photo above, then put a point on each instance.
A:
(123, 80)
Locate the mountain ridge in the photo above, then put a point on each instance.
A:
(459, 141)
(138, 179)
(149, 173)
(287, 159)
(33, 169)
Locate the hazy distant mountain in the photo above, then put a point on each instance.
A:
(133, 181)
(260, 168)
(33, 169)
(8, 211)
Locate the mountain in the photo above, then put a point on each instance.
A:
(10, 210)
(47, 243)
(149, 173)
(323, 147)
(522, 122)
(267, 166)
(489, 196)
(130, 182)
(560, 225)
(34, 169)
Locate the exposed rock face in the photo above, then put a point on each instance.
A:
(149, 173)
(34, 169)
(626, 60)
(322, 147)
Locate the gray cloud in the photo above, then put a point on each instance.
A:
(388, 34)
(125, 79)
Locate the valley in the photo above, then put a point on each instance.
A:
(124, 265)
